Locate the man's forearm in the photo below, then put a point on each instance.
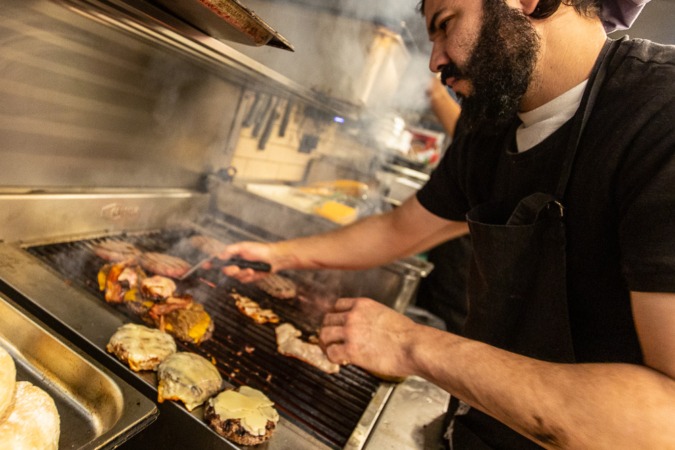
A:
(372, 241)
(356, 246)
(557, 405)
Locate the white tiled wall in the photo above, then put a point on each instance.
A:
(281, 160)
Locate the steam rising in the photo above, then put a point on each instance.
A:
(332, 42)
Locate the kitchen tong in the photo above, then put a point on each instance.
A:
(258, 266)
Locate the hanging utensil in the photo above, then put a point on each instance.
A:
(285, 118)
(259, 120)
(271, 118)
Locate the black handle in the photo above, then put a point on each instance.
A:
(258, 266)
(285, 118)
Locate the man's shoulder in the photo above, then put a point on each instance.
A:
(649, 52)
(643, 71)
(643, 59)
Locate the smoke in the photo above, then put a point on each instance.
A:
(333, 42)
(411, 94)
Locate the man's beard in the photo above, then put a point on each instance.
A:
(500, 67)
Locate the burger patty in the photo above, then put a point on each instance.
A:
(116, 251)
(181, 317)
(187, 377)
(163, 264)
(277, 286)
(142, 348)
(244, 415)
(232, 429)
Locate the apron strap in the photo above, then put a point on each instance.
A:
(595, 82)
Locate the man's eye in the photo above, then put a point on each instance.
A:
(443, 24)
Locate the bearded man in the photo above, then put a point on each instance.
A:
(563, 170)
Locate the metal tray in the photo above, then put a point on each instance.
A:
(236, 23)
(97, 409)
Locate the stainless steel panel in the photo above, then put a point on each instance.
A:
(96, 408)
(235, 23)
(86, 104)
(30, 216)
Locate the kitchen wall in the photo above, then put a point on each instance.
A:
(308, 134)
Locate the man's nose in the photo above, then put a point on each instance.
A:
(438, 58)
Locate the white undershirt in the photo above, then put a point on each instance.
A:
(541, 122)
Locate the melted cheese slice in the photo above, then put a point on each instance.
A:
(142, 344)
(188, 377)
(250, 406)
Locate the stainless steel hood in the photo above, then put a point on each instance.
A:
(228, 20)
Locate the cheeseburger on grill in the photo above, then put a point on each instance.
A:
(245, 415)
(187, 377)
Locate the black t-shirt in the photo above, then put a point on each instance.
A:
(620, 201)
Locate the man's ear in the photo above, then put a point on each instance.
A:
(527, 6)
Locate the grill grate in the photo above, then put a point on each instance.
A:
(328, 407)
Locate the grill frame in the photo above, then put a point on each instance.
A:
(337, 411)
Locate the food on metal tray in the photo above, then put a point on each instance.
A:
(7, 382)
(157, 287)
(337, 212)
(253, 310)
(116, 251)
(142, 348)
(33, 422)
(278, 286)
(207, 244)
(245, 415)
(163, 264)
(290, 344)
(181, 317)
(187, 377)
(351, 188)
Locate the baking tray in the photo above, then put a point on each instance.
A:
(235, 22)
(97, 409)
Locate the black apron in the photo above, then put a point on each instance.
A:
(517, 282)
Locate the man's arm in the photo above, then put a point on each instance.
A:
(654, 315)
(370, 242)
(558, 405)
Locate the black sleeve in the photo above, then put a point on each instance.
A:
(647, 207)
(443, 195)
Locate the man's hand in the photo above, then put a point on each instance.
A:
(368, 334)
(252, 251)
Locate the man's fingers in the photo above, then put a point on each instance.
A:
(330, 335)
(337, 354)
(243, 275)
(333, 344)
(334, 319)
(344, 304)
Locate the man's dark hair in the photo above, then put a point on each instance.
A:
(546, 8)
